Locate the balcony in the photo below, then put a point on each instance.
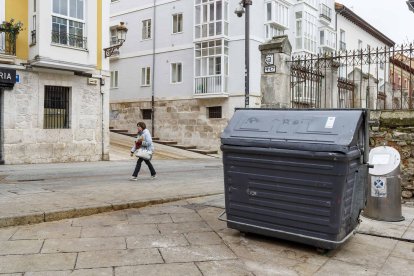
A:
(7, 47)
(327, 40)
(210, 87)
(71, 40)
(325, 15)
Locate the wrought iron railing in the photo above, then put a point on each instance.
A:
(7, 43)
(374, 78)
(72, 40)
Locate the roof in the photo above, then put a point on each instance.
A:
(354, 18)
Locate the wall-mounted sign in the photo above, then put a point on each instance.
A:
(7, 77)
(92, 81)
(270, 69)
(269, 59)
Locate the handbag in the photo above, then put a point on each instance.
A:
(143, 153)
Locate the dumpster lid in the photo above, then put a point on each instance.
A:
(385, 160)
(304, 129)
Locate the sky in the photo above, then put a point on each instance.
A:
(391, 17)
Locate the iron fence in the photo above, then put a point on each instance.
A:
(375, 78)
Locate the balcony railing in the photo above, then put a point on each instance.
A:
(7, 43)
(325, 12)
(69, 40)
(205, 86)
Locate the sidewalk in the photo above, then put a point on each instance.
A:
(47, 192)
(181, 237)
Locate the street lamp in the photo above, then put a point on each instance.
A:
(121, 31)
(240, 10)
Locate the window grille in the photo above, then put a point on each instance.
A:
(56, 107)
(146, 114)
(214, 112)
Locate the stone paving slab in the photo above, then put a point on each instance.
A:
(212, 250)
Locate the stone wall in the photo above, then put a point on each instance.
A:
(396, 129)
(27, 141)
(184, 121)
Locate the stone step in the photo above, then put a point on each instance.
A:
(204, 151)
(185, 147)
(166, 142)
(119, 130)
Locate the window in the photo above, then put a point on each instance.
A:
(176, 72)
(33, 28)
(269, 11)
(146, 114)
(146, 29)
(306, 31)
(342, 44)
(359, 44)
(146, 76)
(211, 66)
(177, 23)
(114, 79)
(68, 23)
(114, 38)
(211, 18)
(56, 107)
(214, 112)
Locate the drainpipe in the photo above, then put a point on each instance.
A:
(153, 73)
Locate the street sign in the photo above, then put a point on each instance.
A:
(270, 69)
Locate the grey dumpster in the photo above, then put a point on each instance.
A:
(296, 174)
(384, 189)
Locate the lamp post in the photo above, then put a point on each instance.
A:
(240, 10)
(410, 4)
(121, 31)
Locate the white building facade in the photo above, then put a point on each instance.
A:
(181, 69)
(55, 109)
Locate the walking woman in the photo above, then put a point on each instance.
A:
(144, 138)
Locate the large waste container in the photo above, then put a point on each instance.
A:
(384, 188)
(296, 174)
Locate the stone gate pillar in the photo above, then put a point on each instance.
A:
(329, 85)
(275, 73)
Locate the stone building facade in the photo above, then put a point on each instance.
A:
(184, 121)
(26, 140)
(54, 103)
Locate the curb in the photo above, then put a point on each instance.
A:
(40, 217)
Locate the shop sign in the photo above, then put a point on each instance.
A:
(7, 77)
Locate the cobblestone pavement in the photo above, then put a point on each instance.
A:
(185, 238)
